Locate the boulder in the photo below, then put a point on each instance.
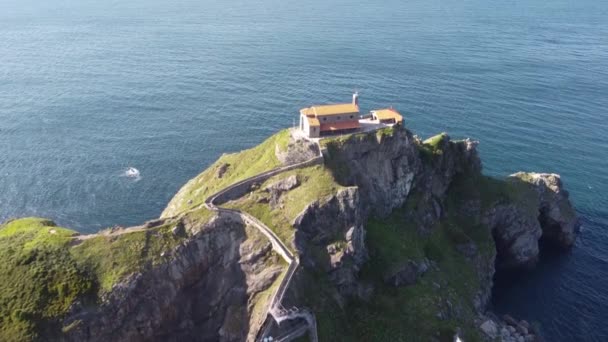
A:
(298, 150)
(221, 170)
(489, 328)
(509, 320)
(405, 274)
(277, 188)
(522, 329)
(284, 184)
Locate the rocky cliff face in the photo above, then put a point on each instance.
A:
(544, 212)
(330, 236)
(516, 234)
(382, 166)
(209, 290)
(388, 171)
(439, 228)
(557, 217)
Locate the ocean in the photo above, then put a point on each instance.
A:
(90, 88)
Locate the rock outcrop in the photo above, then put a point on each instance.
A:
(330, 236)
(518, 226)
(206, 291)
(406, 273)
(557, 217)
(516, 234)
(444, 160)
(275, 190)
(383, 166)
(507, 329)
(298, 150)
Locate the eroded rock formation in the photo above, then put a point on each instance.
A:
(205, 292)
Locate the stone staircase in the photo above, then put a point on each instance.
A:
(275, 311)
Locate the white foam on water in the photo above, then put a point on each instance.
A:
(132, 173)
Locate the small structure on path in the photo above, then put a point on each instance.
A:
(343, 118)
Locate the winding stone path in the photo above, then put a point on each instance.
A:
(275, 310)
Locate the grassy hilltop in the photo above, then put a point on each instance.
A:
(46, 269)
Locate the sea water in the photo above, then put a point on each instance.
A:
(91, 88)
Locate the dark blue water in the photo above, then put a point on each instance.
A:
(89, 88)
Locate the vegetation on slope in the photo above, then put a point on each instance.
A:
(316, 183)
(431, 148)
(233, 167)
(527, 179)
(45, 270)
(39, 278)
(491, 191)
(378, 134)
(407, 313)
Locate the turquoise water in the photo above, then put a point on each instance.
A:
(89, 88)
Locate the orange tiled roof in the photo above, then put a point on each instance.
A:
(387, 114)
(336, 126)
(313, 122)
(334, 109)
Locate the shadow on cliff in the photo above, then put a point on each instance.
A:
(212, 303)
(199, 294)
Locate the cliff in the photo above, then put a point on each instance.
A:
(397, 238)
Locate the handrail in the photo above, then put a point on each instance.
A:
(275, 310)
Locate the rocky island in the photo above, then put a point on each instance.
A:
(373, 236)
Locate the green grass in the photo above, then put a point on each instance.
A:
(376, 135)
(490, 191)
(434, 142)
(337, 164)
(39, 279)
(316, 182)
(111, 258)
(431, 148)
(261, 300)
(408, 313)
(43, 271)
(405, 313)
(242, 165)
(526, 179)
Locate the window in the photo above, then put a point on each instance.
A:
(338, 118)
(324, 119)
(351, 116)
